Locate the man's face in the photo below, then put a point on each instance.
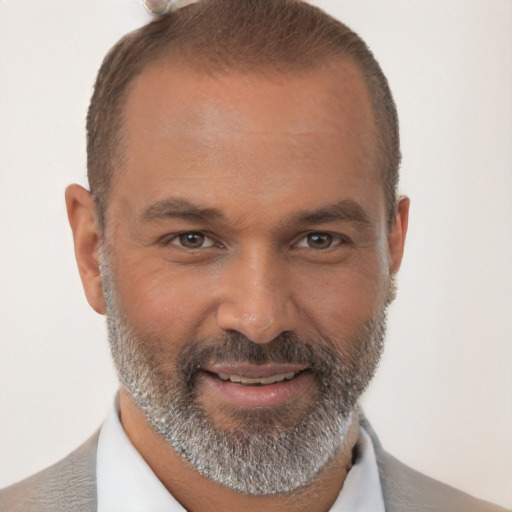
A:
(246, 265)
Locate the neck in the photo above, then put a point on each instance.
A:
(197, 493)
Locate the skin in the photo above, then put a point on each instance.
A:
(264, 152)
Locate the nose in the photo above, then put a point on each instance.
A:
(256, 298)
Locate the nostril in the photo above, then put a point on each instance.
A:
(259, 320)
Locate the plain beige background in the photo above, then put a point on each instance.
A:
(441, 401)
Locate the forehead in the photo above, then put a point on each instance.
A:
(179, 100)
(207, 135)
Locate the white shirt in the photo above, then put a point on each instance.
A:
(126, 483)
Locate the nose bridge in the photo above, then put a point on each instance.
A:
(257, 298)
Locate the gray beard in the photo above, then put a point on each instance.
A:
(270, 451)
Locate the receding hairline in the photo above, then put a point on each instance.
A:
(328, 66)
(262, 36)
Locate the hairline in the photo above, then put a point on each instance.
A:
(169, 59)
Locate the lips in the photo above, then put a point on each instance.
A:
(248, 381)
(252, 374)
(250, 385)
(254, 371)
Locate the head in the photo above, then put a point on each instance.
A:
(243, 233)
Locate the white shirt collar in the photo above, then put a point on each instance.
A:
(362, 491)
(125, 482)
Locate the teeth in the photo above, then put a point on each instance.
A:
(262, 380)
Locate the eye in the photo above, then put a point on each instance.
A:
(192, 240)
(321, 241)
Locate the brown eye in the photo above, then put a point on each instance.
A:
(319, 240)
(192, 240)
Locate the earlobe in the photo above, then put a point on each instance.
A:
(85, 225)
(398, 234)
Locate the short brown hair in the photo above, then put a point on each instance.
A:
(244, 35)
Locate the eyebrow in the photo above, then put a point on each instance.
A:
(343, 211)
(346, 210)
(181, 209)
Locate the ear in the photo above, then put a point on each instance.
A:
(397, 234)
(85, 225)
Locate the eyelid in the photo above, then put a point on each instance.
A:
(168, 239)
(338, 239)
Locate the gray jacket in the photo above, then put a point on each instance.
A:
(70, 486)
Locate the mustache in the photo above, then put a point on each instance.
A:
(235, 347)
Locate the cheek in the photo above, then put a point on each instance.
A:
(339, 302)
(164, 304)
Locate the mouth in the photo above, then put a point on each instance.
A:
(257, 381)
(247, 385)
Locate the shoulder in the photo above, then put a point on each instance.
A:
(414, 491)
(68, 485)
(407, 490)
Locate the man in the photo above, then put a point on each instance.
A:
(241, 235)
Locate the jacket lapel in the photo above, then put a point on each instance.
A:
(67, 486)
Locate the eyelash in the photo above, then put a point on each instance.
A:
(169, 239)
(334, 240)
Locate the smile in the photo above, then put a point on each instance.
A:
(248, 381)
(248, 385)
